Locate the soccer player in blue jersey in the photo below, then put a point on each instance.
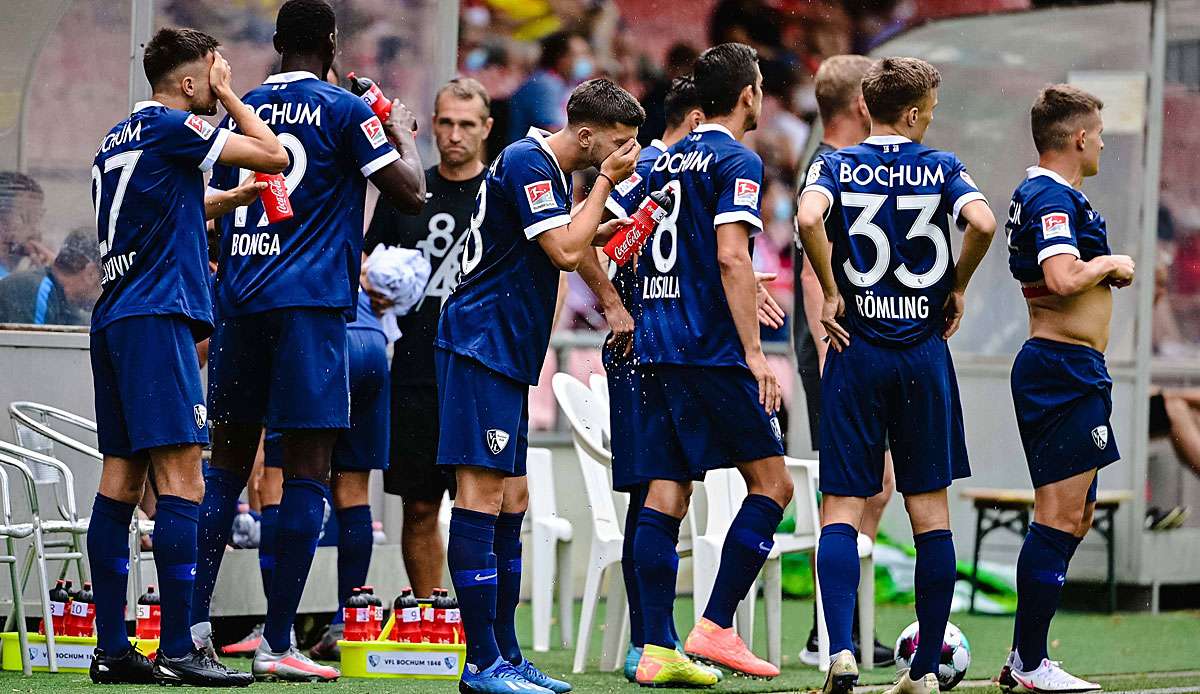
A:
(708, 395)
(893, 296)
(1058, 251)
(491, 342)
(284, 293)
(615, 290)
(148, 191)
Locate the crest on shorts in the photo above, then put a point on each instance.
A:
(775, 428)
(496, 440)
(201, 414)
(1100, 437)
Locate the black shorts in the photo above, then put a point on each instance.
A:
(413, 474)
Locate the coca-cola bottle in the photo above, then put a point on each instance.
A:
(442, 632)
(357, 615)
(375, 623)
(627, 240)
(426, 605)
(371, 94)
(276, 204)
(454, 619)
(149, 615)
(407, 626)
(59, 598)
(81, 615)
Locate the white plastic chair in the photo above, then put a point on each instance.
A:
(588, 420)
(36, 554)
(599, 385)
(551, 554)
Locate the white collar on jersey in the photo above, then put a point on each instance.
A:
(540, 136)
(886, 140)
(658, 144)
(712, 127)
(146, 104)
(292, 76)
(1035, 171)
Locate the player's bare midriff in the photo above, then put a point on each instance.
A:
(1082, 319)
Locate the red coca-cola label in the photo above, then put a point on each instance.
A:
(275, 197)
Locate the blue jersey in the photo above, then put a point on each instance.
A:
(891, 200)
(148, 192)
(623, 202)
(714, 180)
(1048, 217)
(502, 309)
(334, 142)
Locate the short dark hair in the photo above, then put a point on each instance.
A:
(839, 82)
(78, 249)
(1056, 114)
(893, 85)
(721, 73)
(554, 47)
(465, 88)
(171, 48)
(12, 183)
(302, 25)
(681, 98)
(601, 101)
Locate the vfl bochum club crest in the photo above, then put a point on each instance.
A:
(496, 440)
(201, 415)
(1100, 437)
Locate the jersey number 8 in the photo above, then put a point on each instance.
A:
(870, 204)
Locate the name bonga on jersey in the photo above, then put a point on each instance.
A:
(895, 307)
(254, 244)
(661, 287)
(290, 113)
(891, 176)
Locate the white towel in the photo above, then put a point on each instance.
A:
(400, 275)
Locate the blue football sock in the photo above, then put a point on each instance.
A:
(175, 526)
(507, 548)
(933, 579)
(221, 489)
(637, 497)
(837, 572)
(1041, 573)
(657, 568)
(300, 514)
(108, 558)
(749, 540)
(355, 542)
(267, 538)
(473, 571)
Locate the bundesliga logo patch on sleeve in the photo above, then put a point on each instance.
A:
(202, 127)
(1056, 226)
(814, 172)
(745, 192)
(966, 177)
(539, 196)
(373, 129)
(624, 187)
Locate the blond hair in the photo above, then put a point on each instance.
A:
(465, 88)
(838, 82)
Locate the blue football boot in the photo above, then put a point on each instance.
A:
(498, 678)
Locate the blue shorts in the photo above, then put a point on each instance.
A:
(365, 445)
(147, 383)
(872, 395)
(624, 392)
(1063, 398)
(284, 369)
(699, 418)
(484, 415)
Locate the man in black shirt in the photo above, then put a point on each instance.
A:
(846, 122)
(461, 124)
(62, 294)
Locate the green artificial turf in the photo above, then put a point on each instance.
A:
(1110, 648)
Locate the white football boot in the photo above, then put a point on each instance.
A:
(1050, 678)
(907, 685)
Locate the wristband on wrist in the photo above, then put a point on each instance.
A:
(608, 178)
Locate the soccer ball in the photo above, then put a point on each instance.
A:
(956, 654)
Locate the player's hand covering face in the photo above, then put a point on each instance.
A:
(619, 160)
(210, 83)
